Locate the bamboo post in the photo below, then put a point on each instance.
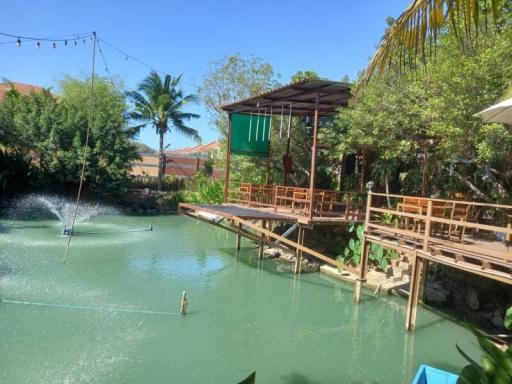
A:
(414, 288)
(228, 161)
(313, 162)
(239, 236)
(298, 252)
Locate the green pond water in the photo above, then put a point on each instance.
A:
(110, 315)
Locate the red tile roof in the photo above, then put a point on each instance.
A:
(23, 89)
(201, 148)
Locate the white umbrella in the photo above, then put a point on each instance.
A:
(498, 113)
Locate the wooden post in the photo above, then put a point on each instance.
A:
(262, 237)
(313, 161)
(363, 266)
(285, 180)
(414, 290)
(426, 238)
(183, 303)
(298, 252)
(239, 236)
(228, 161)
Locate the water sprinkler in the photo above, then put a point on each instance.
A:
(67, 231)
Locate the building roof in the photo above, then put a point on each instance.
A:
(201, 148)
(300, 95)
(23, 89)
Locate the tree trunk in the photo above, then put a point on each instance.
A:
(161, 162)
(386, 184)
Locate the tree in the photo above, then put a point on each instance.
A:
(420, 25)
(408, 115)
(234, 78)
(51, 130)
(160, 102)
(304, 75)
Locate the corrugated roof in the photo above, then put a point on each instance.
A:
(300, 95)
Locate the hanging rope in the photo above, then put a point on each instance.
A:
(89, 123)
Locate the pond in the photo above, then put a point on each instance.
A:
(111, 313)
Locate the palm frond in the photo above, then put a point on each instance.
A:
(420, 24)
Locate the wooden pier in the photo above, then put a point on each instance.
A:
(468, 236)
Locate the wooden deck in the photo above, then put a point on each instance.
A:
(255, 224)
(468, 236)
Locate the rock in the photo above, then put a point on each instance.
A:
(472, 299)
(271, 253)
(436, 294)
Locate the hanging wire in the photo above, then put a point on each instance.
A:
(50, 38)
(84, 160)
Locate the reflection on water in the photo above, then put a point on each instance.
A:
(100, 315)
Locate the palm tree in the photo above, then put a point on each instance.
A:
(159, 102)
(420, 24)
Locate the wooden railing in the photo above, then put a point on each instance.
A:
(472, 230)
(297, 200)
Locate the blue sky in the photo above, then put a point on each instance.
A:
(334, 38)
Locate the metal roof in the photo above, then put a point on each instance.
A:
(301, 96)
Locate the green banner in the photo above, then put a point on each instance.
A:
(250, 135)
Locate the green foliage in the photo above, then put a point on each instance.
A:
(169, 183)
(495, 366)
(304, 75)
(52, 131)
(378, 255)
(508, 319)
(205, 190)
(396, 115)
(16, 172)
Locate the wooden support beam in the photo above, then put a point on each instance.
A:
(414, 290)
(239, 236)
(363, 268)
(228, 161)
(313, 162)
(262, 239)
(298, 252)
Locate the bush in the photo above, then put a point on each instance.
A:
(16, 172)
(169, 183)
(205, 190)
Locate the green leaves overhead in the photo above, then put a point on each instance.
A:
(415, 32)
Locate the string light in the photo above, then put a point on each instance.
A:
(75, 43)
(38, 45)
(65, 42)
(54, 45)
(18, 42)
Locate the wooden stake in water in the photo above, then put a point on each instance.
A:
(184, 303)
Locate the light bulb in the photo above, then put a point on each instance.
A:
(18, 42)
(54, 45)
(38, 44)
(65, 42)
